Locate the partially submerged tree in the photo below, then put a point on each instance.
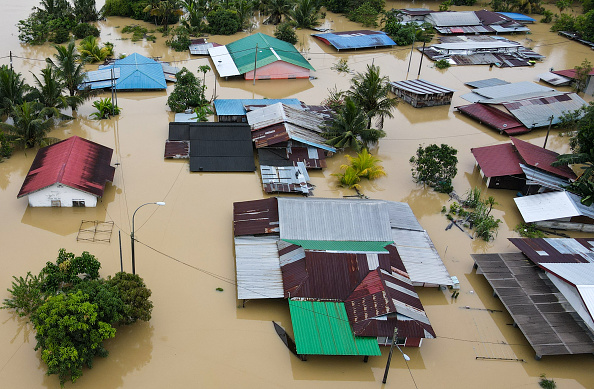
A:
(582, 76)
(371, 93)
(366, 165)
(435, 166)
(187, 93)
(285, 32)
(69, 67)
(276, 10)
(13, 90)
(306, 13)
(90, 50)
(31, 123)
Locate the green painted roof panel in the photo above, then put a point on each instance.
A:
(322, 328)
(243, 52)
(331, 245)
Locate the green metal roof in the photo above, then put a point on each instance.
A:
(270, 50)
(333, 245)
(323, 328)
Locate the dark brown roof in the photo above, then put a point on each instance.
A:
(177, 149)
(255, 217)
(555, 250)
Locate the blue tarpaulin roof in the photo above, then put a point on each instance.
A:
(236, 107)
(356, 39)
(139, 72)
(517, 17)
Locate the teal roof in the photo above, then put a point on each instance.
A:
(139, 72)
(270, 50)
(322, 328)
(332, 245)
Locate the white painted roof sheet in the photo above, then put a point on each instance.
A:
(334, 220)
(574, 273)
(453, 19)
(538, 177)
(420, 258)
(258, 268)
(223, 61)
(551, 206)
(554, 79)
(279, 113)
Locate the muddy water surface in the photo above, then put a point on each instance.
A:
(199, 337)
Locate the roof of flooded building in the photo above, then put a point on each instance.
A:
(258, 255)
(359, 39)
(75, 162)
(518, 17)
(556, 250)
(138, 72)
(322, 328)
(281, 113)
(552, 206)
(536, 306)
(546, 180)
(416, 11)
(446, 19)
(285, 179)
(200, 46)
(486, 83)
(177, 149)
(569, 73)
(312, 157)
(255, 217)
(494, 118)
(283, 132)
(420, 87)
(237, 107)
(99, 79)
(509, 92)
(545, 110)
(541, 158)
(498, 160)
(270, 49)
(554, 79)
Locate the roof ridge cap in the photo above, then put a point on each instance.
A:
(67, 159)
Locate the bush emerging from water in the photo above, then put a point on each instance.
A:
(442, 64)
(285, 32)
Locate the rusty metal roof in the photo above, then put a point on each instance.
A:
(498, 160)
(281, 113)
(177, 149)
(556, 250)
(494, 118)
(312, 157)
(255, 217)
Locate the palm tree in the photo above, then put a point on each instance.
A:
(49, 90)
(90, 51)
(276, 9)
(366, 165)
(370, 92)
(13, 90)
(349, 129)
(69, 68)
(349, 179)
(32, 122)
(164, 10)
(306, 13)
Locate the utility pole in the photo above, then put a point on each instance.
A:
(390, 355)
(421, 63)
(410, 58)
(548, 130)
(10, 53)
(255, 62)
(112, 92)
(121, 260)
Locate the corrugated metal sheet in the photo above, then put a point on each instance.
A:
(541, 158)
(551, 206)
(322, 328)
(518, 17)
(236, 107)
(341, 246)
(139, 72)
(255, 217)
(486, 83)
(283, 132)
(75, 162)
(464, 30)
(537, 112)
(423, 263)
(554, 79)
(289, 253)
(444, 19)
(200, 46)
(569, 73)
(223, 61)
(576, 274)
(556, 250)
(280, 113)
(546, 180)
(312, 157)
(291, 179)
(258, 268)
(99, 79)
(334, 220)
(498, 160)
(494, 118)
(420, 87)
(402, 216)
(509, 92)
(360, 39)
(476, 45)
(177, 149)
(509, 29)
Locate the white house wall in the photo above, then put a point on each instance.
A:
(63, 193)
(574, 298)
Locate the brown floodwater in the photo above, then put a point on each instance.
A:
(199, 337)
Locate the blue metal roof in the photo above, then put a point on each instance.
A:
(139, 72)
(356, 39)
(235, 107)
(518, 17)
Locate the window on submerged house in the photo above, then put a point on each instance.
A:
(78, 203)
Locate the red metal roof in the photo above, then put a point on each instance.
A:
(555, 250)
(385, 328)
(498, 160)
(541, 158)
(255, 217)
(75, 162)
(569, 73)
(494, 118)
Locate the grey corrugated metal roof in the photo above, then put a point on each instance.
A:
(292, 178)
(476, 45)
(574, 273)
(537, 112)
(502, 29)
(443, 19)
(552, 206)
(486, 83)
(538, 177)
(307, 137)
(258, 268)
(420, 87)
(334, 220)
(402, 216)
(279, 113)
(554, 79)
(420, 258)
(511, 90)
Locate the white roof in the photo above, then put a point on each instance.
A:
(554, 79)
(551, 206)
(574, 273)
(258, 268)
(453, 19)
(223, 61)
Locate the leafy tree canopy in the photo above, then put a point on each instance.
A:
(435, 166)
(187, 93)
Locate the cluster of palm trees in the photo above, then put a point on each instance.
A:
(31, 111)
(367, 100)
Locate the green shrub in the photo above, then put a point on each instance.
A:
(180, 40)
(285, 32)
(366, 14)
(83, 30)
(223, 22)
(442, 64)
(528, 231)
(547, 16)
(187, 93)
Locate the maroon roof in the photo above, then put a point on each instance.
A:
(270, 135)
(555, 250)
(489, 17)
(255, 217)
(498, 160)
(74, 162)
(385, 328)
(494, 118)
(541, 158)
(177, 149)
(569, 73)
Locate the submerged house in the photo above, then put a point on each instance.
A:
(566, 77)
(235, 110)
(352, 40)
(421, 93)
(70, 173)
(520, 165)
(547, 290)
(200, 46)
(261, 57)
(360, 256)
